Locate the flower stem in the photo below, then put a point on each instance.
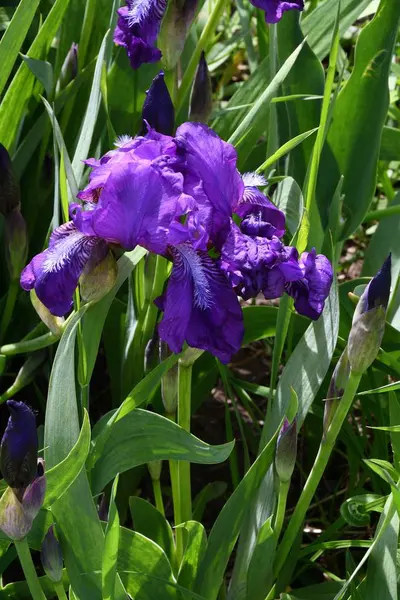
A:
(9, 307)
(321, 461)
(281, 508)
(201, 44)
(176, 499)
(184, 415)
(29, 345)
(158, 496)
(28, 568)
(59, 588)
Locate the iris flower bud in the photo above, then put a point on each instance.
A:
(16, 243)
(155, 467)
(69, 70)
(96, 282)
(174, 30)
(9, 187)
(158, 109)
(51, 556)
(286, 450)
(201, 96)
(169, 383)
(369, 320)
(18, 508)
(19, 447)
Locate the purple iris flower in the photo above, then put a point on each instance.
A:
(274, 9)
(138, 28)
(177, 196)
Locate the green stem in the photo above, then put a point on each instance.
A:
(281, 508)
(28, 568)
(184, 416)
(158, 496)
(273, 142)
(201, 44)
(30, 345)
(377, 215)
(59, 588)
(176, 499)
(9, 307)
(317, 471)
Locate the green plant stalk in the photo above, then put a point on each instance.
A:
(158, 496)
(273, 141)
(282, 326)
(377, 215)
(176, 500)
(317, 471)
(29, 345)
(201, 44)
(28, 568)
(184, 415)
(281, 507)
(9, 307)
(59, 588)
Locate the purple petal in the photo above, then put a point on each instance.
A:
(200, 307)
(212, 162)
(136, 206)
(260, 217)
(312, 290)
(137, 30)
(274, 9)
(54, 273)
(33, 497)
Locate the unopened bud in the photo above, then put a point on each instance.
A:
(286, 450)
(96, 282)
(336, 389)
(158, 109)
(9, 187)
(169, 382)
(16, 243)
(369, 320)
(19, 446)
(201, 96)
(55, 324)
(155, 467)
(174, 30)
(51, 556)
(18, 511)
(69, 70)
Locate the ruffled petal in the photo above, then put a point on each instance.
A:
(312, 290)
(200, 306)
(137, 206)
(137, 30)
(211, 165)
(54, 273)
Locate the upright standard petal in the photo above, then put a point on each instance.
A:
(212, 162)
(200, 306)
(137, 30)
(274, 9)
(260, 217)
(54, 273)
(137, 205)
(312, 290)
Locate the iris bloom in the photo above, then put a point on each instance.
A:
(176, 196)
(274, 9)
(138, 28)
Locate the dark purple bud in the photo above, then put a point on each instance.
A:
(69, 70)
(158, 110)
(369, 320)
(51, 556)
(34, 494)
(19, 447)
(286, 450)
(201, 96)
(16, 238)
(9, 187)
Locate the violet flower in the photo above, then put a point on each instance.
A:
(274, 9)
(137, 30)
(177, 196)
